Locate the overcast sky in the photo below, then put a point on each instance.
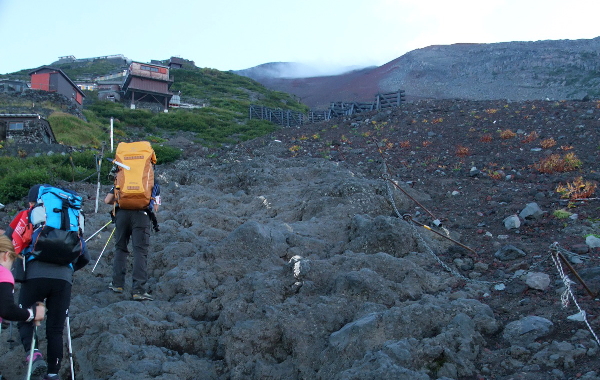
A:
(239, 34)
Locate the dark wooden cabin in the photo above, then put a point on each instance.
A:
(147, 86)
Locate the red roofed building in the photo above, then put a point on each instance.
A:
(55, 80)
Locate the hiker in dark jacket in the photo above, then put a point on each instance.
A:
(134, 225)
(52, 283)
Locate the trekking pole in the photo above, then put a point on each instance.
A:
(96, 233)
(103, 249)
(11, 341)
(98, 169)
(407, 217)
(70, 346)
(118, 163)
(31, 353)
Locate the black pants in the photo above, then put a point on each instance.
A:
(57, 294)
(134, 225)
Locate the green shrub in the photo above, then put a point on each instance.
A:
(166, 154)
(17, 175)
(15, 185)
(256, 128)
(561, 214)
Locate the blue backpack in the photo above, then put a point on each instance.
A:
(58, 226)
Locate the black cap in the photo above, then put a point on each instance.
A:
(33, 193)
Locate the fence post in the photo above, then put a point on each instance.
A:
(289, 118)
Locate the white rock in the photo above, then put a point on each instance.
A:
(512, 222)
(537, 280)
(579, 317)
(592, 241)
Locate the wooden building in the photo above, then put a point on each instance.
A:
(178, 63)
(26, 129)
(147, 86)
(55, 80)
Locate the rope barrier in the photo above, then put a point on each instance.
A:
(568, 293)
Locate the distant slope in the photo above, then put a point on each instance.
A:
(319, 92)
(290, 70)
(560, 69)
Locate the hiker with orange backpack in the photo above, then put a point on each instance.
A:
(135, 197)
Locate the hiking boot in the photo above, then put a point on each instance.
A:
(142, 297)
(39, 366)
(53, 377)
(116, 289)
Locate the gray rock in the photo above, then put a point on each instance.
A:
(531, 211)
(509, 252)
(527, 330)
(512, 222)
(592, 241)
(536, 280)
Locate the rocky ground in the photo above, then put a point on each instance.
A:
(477, 173)
(284, 257)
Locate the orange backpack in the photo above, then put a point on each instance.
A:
(135, 178)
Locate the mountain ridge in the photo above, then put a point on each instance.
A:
(518, 70)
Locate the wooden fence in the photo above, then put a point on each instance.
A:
(289, 118)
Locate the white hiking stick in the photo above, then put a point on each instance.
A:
(70, 346)
(96, 233)
(31, 353)
(119, 164)
(103, 249)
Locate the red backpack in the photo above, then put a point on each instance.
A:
(22, 230)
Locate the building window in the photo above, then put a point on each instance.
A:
(15, 126)
(150, 68)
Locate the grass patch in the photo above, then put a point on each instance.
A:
(561, 214)
(17, 174)
(70, 130)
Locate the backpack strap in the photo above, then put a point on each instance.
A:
(153, 219)
(64, 215)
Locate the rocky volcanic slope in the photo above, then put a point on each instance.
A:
(284, 258)
(559, 69)
(563, 69)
